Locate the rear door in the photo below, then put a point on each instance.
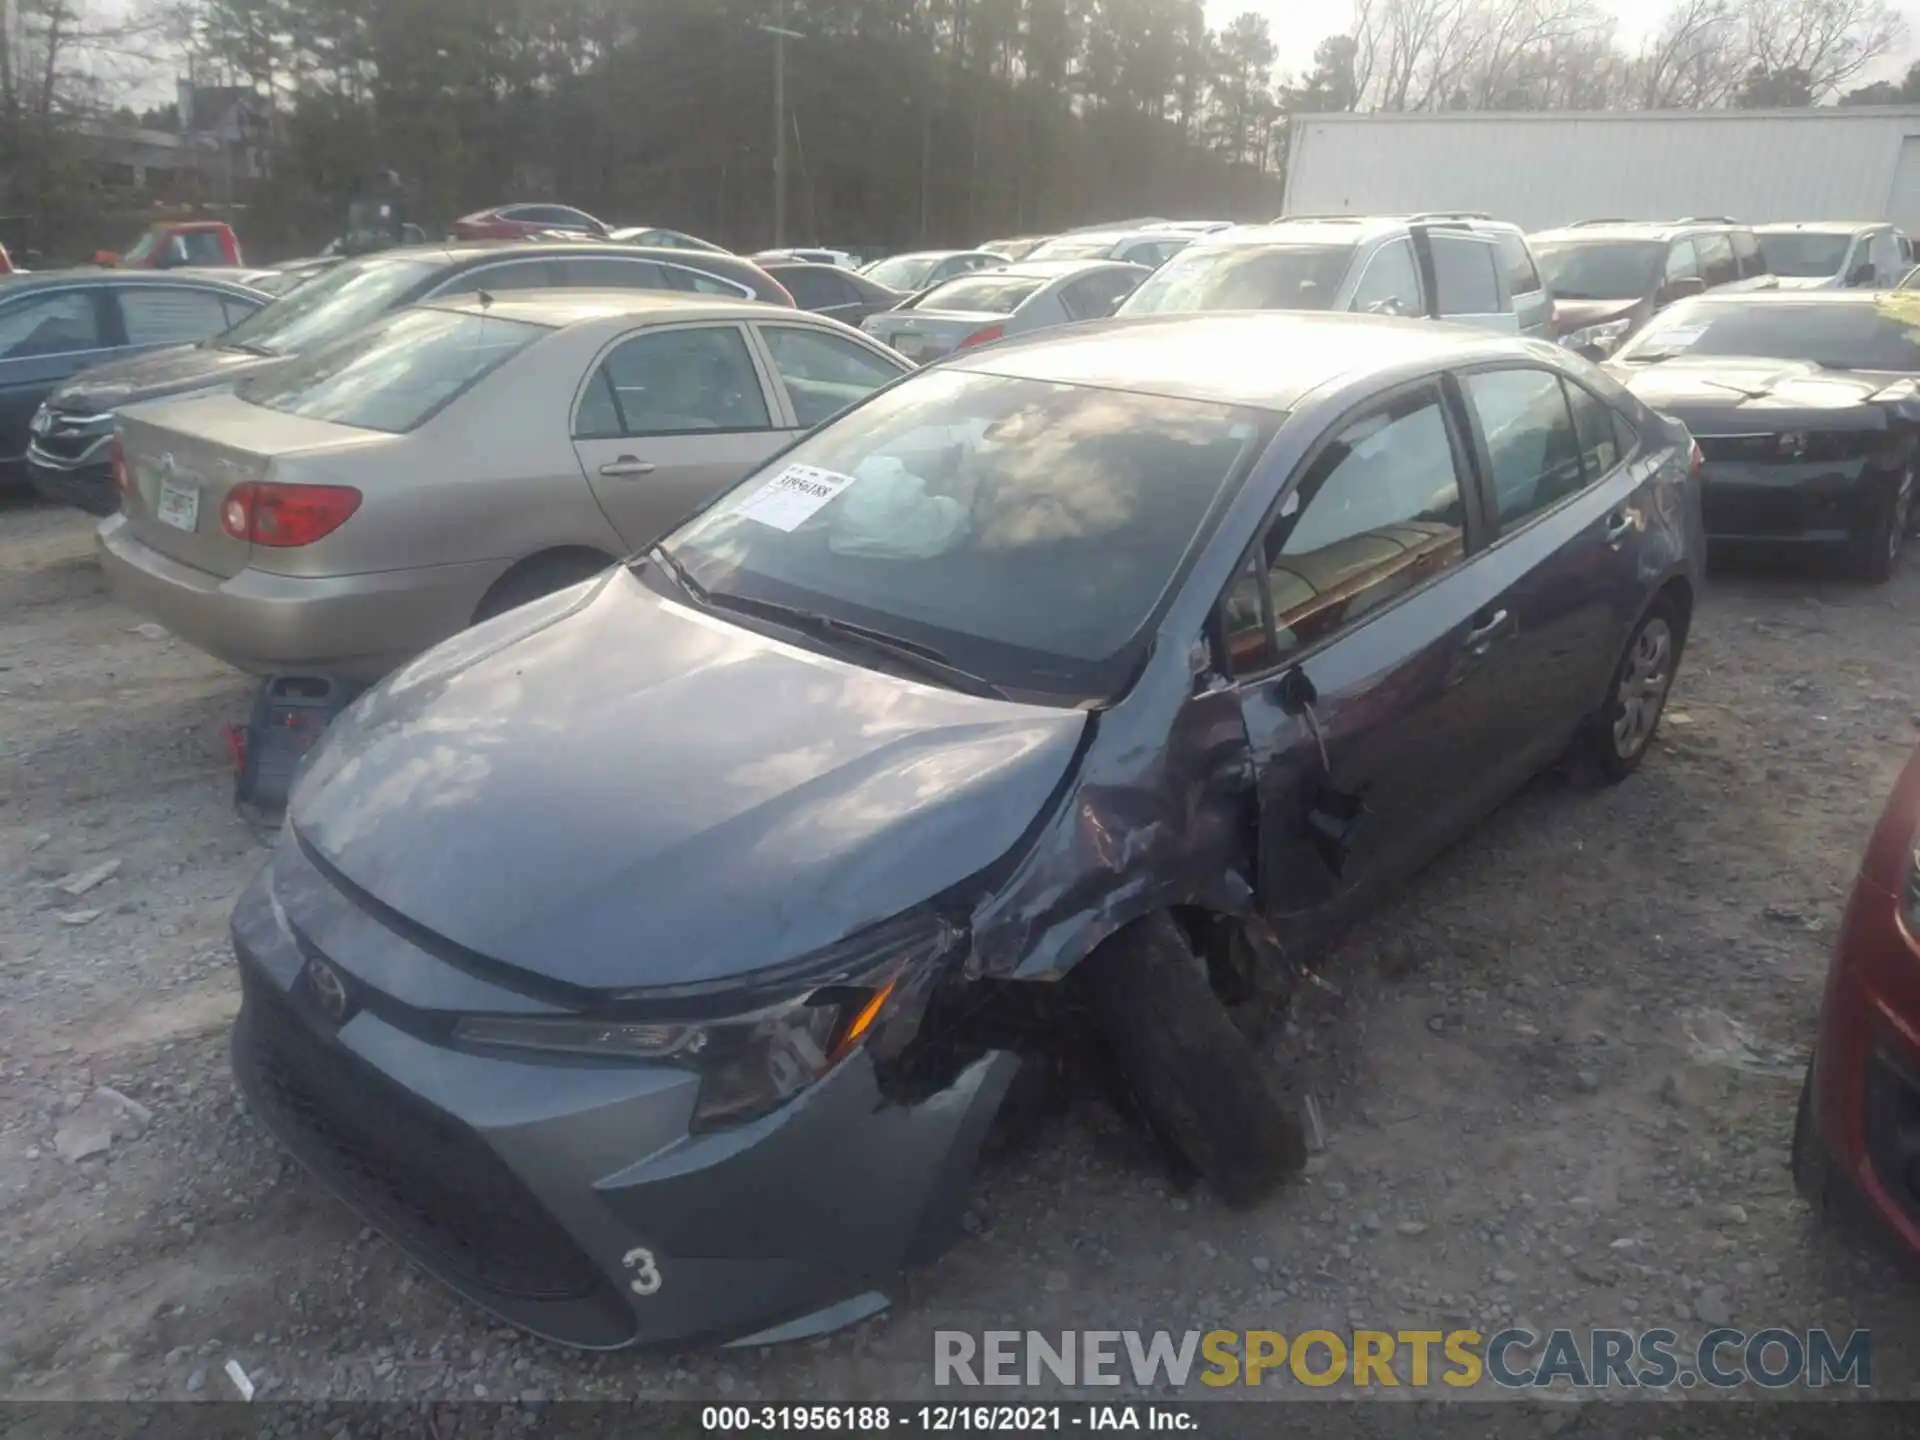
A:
(1468, 288)
(1532, 306)
(46, 335)
(1565, 520)
(1682, 264)
(1364, 585)
(155, 316)
(668, 418)
(821, 373)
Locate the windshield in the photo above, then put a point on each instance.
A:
(394, 375)
(1804, 255)
(334, 304)
(1601, 269)
(904, 272)
(1027, 530)
(1882, 334)
(1243, 277)
(984, 294)
(142, 249)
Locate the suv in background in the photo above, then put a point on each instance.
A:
(1151, 248)
(1454, 266)
(1835, 255)
(1609, 277)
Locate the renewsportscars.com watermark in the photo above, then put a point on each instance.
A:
(1720, 1359)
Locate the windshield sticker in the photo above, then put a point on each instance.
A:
(794, 496)
(1680, 336)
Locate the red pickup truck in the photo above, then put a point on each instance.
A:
(168, 243)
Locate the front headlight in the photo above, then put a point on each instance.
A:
(756, 1047)
(1597, 337)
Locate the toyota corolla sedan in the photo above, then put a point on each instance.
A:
(649, 962)
(346, 510)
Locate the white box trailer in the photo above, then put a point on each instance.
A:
(1544, 169)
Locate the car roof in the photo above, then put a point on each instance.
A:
(1821, 227)
(1313, 230)
(1047, 269)
(1649, 230)
(558, 307)
(1788, 297)
(1265, 358)
(228, 276)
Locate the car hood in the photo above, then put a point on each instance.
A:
(1756, 393)
(1807, 282)
(612, 790)
(159, 372)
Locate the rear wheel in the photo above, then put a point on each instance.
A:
(1876, 552)
(542, 575)
(1615, 737)
(1193, 1074)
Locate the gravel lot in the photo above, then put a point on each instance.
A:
(1556, 1078)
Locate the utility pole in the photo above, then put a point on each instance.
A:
(780, 37)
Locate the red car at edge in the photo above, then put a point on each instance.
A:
(1856, 1142)
(524, 222)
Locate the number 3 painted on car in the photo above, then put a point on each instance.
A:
(646, 1275)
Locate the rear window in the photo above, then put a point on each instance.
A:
(983, 294)
(1094, 248)
(1877, 335)
(395, 375)
(1243, 277)
(1806, 254)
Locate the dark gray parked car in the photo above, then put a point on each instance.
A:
(69, 460)
(56, 322)
(669, 999)
(834, 290)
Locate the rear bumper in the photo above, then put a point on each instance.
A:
(571, 1200)
(357, 627)
(1743, 506)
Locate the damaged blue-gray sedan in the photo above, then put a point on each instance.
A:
(649, 962)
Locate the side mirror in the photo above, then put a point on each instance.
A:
(1685, 288)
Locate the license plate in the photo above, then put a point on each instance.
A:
(911, 346)
(179, 505)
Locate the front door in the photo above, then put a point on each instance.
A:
(669, 419)
(1350, 636)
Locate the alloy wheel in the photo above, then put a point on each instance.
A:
(1644, 680)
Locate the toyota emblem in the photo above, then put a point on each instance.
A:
(328, 989)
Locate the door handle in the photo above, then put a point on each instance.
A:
(1480, 639)
(627, 465)
(1620, 524)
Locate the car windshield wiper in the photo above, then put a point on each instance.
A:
(679, 572)
(915, 656)
(248, 347)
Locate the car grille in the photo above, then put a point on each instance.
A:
(1762, 512)
(414, 1171)
(1793, 448)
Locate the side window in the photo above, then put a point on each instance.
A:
(1530, 440)
(1391, 285)
(1746, 254)
(52, 324)
(236, 309)
(202, 247)
(1522, 276)
(606, 273)
(1681, 264)
(677, 382)
(699, 282)
(824, 374)
(1624, 435)
(1098, 295)
(170, 315)
(812, 289)
(1379, 512)
(1464, 273)
(1717, 265)
(520, 275)
(1598, 426)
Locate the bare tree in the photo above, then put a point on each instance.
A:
(1695, 60)
(1827, 42)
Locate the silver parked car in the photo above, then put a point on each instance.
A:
(1460, 267)
(927, 268)
(453, 460)
(979, 309)
(1151, 248)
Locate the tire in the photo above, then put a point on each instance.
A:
(534, 578)
(1875, 555)
(1614, 740)
(1193, 1074)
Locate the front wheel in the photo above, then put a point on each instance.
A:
(1876, 553)
(1193, 1074)
(1615, 737)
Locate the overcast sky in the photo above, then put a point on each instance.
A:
(1299, 25)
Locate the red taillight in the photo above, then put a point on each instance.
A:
(122, 476)
(285, 516)
(983, 337)
(1696, 462)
